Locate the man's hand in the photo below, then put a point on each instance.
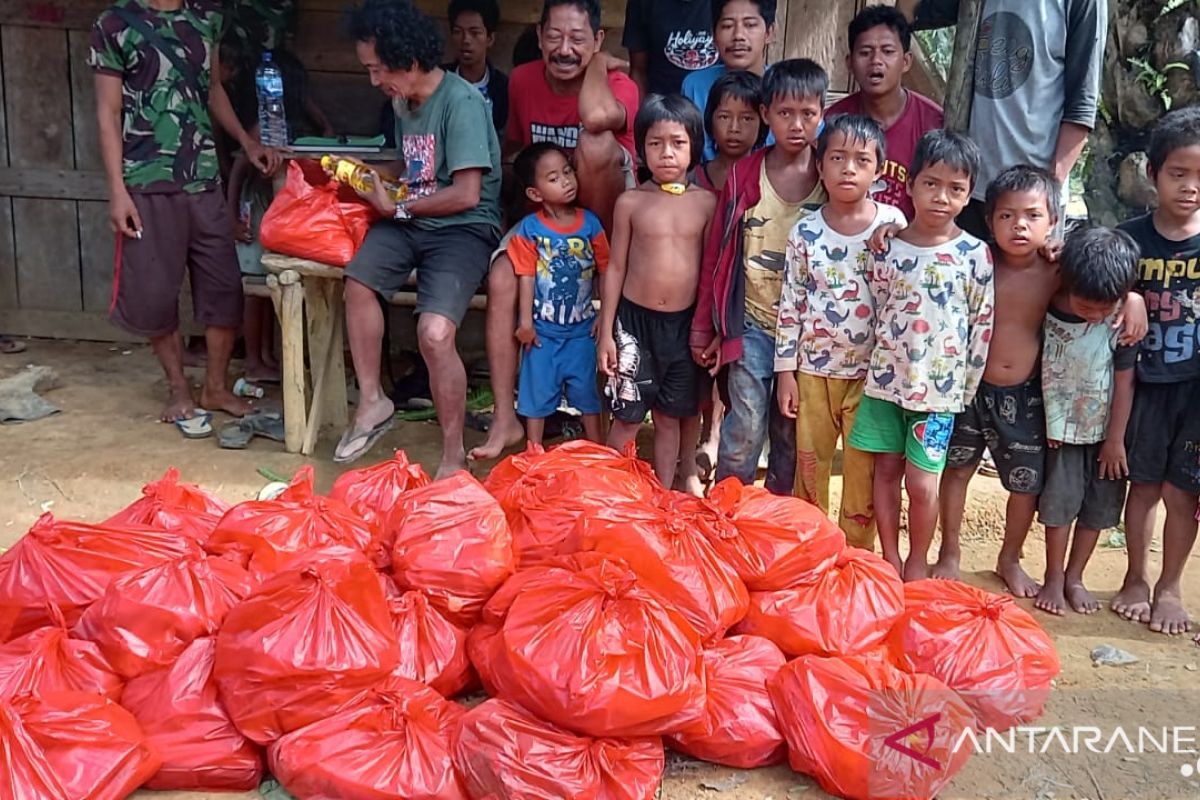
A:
(1132, 320)
(1113, 465)
(880, 241)
(123, 215)
(380, 200)
(788, 393)
(527, 336)
(606, 355)
(267, 159)
(609, 62)
(241, 231)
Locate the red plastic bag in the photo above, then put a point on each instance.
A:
(146, 619)
(453, 545)
(373, 492)
(982, 645)
(304, 644)
(264, 534)
(87, 745)
(867, 731)
(850, 609)
(394, 745)
(178, 710)
(167, 504)
(503, 752)
(69, 565)
(781, 541)
(49, 660)
(433, 650)
(544, 494)
(740, 728)
(584, 645)
(316, 218)
(673, 559)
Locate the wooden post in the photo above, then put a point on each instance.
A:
(960, 86)
(291, 325)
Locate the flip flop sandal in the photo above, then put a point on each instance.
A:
(11, 346)
(198, 427)
(363, 440)
(236, 434)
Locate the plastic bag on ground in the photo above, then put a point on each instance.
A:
(740, 728)
(850, 609)
(264, 534)
(178, 710)
(585, 646)
(304, 644)
(433, 650)
(316, 218)
(393, 745)
(88, 746)
(867, 731)
(146, 619)
(983, 645)
(503, 752)
(49, 660)
(69, 565)
(372, 492)
(781, 541)
(168, 504)
(453, 545)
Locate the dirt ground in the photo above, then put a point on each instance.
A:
(92, 459)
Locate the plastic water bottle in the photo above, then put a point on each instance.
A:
(272, 121)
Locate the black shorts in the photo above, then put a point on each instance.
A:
(1163, 437)
(1011, 422)
(655, 367)
(1075, 492)
(450, 262)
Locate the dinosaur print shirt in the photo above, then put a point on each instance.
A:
(564, 262)
(826, 322)
(933, 309)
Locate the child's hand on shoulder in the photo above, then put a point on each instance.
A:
(1132, 320)
(527, 336)
(1113, 465)
(882, 236)
(788, 393)
(1051, 250)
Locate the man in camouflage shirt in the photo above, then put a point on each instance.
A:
(165, 206)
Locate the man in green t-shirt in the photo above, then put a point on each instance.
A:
(155, 104)
(447, 226)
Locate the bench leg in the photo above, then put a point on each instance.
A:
(291, 325)
(323, 307)
(336, 411)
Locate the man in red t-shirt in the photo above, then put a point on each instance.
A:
(880, 39)
(577, 98)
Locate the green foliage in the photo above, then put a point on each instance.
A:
(1155, 80)
(938, 47)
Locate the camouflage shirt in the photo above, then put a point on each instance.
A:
(167, 130)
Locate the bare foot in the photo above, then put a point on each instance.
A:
(499, 438)
(1051, 598)
(895, 561)
(946, 568)
(451, 463)
(1167, 614)
(180, 405)
(1017, 580)
(1081, 600)
(225, 400)
(1133, 601)
(914, 570)
(706, 459)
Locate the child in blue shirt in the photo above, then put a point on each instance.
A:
(557, 253)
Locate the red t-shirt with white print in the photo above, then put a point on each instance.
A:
(537, 114)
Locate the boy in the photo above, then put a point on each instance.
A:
(650, 292)
(827, 321)
(880, 56)
(764, 197)
(1088, 383)
(733, 122)
(1164, 430)
(933, 304)
(556, 254)
(473, 26)
(742, 29)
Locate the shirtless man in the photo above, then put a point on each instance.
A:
(650, 288)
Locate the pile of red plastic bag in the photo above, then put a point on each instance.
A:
(183, 644)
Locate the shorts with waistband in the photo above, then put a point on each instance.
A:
(1011, 422)
(655, 367)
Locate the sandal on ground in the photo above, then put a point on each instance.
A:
(10, 347)
(199, 426)
(354, 444)
(236, 434)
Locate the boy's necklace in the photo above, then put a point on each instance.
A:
(675, 188)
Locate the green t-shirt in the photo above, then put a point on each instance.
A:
(450, 131)
(167, 130)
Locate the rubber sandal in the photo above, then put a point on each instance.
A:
(363, 441)
(198, 427)
(10, 347)
(235, 435)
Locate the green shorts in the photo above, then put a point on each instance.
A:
(922, 436)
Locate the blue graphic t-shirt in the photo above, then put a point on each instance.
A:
(564, 263)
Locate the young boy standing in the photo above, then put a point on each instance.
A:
(733, 332)
(827, 322)
(1164, 430)
(650, 292)
(732, 120)
(1087, 378)
(933, 301)
(557, 253)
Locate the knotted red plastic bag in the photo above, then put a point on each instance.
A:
(587, 647)
(739, 728)
(867, 731)
(372, 492)
(544, 494)
(69, 565)
(433, 650)
(849, 609)
(393, 745)
(781, 542)
(178, 710)
(453, 545)
(304, 644)
(265, 534)
(168, 504)
(315, 218)
(503, 752)
(49, 660)
(982, 645)
(146, 619)
(88, 745)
